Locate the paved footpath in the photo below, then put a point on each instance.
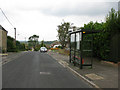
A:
(103, 74)
(11, 56)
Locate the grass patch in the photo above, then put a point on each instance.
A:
(62, 51)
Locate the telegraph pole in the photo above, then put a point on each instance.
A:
(119, 6)
(25, 39)
(15, 36)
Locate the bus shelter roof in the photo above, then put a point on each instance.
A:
(85, 31)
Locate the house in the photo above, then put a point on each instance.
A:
(55, 43)
(55, 46)
(3, 40)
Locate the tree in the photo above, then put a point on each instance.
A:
(63, 33)
(113, 21)
(42, 44)
(113, 29)
(20, 46)
(105, 43)
(33, 41)
(11, 45)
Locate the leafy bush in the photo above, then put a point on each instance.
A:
(102, 40)
(11, 45)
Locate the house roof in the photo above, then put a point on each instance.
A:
(55, 43)
(3, 28)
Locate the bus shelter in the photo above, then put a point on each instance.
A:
(81, 47)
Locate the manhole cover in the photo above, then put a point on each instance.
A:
(45, 73)
(93, 76)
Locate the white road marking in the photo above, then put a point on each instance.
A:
(45, 73)
(61, 64)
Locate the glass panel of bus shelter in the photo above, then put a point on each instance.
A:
(72, 41)
(87, 48)
(77, 52)
(80, 37)
(77, 41)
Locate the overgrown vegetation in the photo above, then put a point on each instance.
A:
(33, 42)
(63, 33)
(11, 47)
(105, 43)
(42, 44)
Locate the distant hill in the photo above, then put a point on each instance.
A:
(45, 42)
(23, 41)
(48, 42)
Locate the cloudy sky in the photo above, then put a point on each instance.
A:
(41, 17)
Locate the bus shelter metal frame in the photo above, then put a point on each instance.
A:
(83, 31)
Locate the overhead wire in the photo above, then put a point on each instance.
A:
(7, 18)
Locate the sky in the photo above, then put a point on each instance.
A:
(41, 17)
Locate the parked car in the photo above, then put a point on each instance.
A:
(43, 49)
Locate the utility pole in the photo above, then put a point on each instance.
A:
(25, 43)
(119, 6)
(25, 39)
(15, 36)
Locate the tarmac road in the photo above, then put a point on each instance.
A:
(39, 70)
